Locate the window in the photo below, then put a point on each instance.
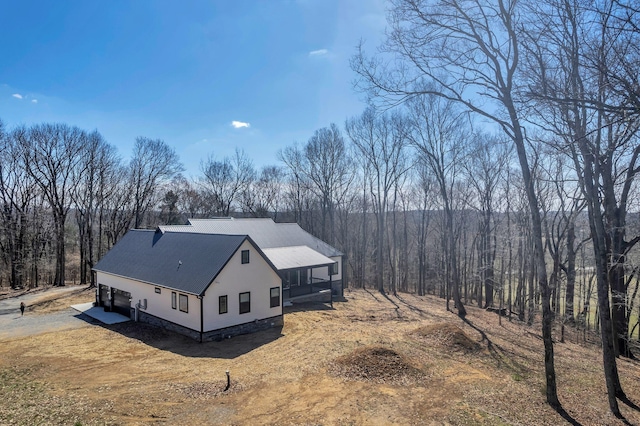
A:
(275, 296)
(184, 303)
(245, 302)
(174, 302)
(245, 256)
(333, 269)
(222, 305)
(158, 290)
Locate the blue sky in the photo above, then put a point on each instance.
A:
(184, 71)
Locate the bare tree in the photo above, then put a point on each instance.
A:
(580, 56)
(191, 202)
(153, 164)
(297, 192)
(423, 194)
(438, 134)
(224, 181)
(329, 173)
(17, 193)
(380, 143)
(262, 198)
(469, 51)
(52, 156)
(99, 161)
(484, 168)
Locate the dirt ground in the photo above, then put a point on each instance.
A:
(371, 360)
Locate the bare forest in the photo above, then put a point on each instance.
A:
(496, 166)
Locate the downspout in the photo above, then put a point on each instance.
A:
(201, 317)
(344, 274)
(139, 306)
(331, 286)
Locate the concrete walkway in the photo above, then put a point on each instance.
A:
(99, 313)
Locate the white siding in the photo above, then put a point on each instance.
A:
(256, 277)
(323, 273)
(158, 305)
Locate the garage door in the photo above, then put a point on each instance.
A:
(103, 295)
(121, 302)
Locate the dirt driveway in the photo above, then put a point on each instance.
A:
(13, 325)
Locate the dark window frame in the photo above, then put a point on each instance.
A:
(333, 269)
(174, 300)
(185, 298)
(274, 301)
(226, 304)
(245, 256)
(244, 307)
(158, 290)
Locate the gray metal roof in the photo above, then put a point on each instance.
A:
(182, 261)
(265, 232)
(296, 257)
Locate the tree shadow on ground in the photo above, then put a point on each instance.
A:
(567, 417)
(413, 308)
(372, 294)
(396, 307)
(503, 360)
(179, 344)
(625, 399)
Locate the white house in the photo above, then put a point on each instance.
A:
(207, 286)
(306, 264)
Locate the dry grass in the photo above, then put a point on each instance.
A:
(371, 360)
(47, 303)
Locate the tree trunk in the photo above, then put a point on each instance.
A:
(571, 272)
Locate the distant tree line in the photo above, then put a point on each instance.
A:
(496, 165)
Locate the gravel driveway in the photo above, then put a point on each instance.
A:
(13, 325)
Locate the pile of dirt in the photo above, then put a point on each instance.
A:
(448, 336)
(377, 364)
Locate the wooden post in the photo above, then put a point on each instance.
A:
(330, 286)
(228, 382)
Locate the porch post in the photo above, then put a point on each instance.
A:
(330, 286)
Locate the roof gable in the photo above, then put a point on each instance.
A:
(182, 261)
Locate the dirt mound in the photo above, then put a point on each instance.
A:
(377, 364)
(448, 336)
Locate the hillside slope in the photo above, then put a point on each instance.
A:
(370, 360)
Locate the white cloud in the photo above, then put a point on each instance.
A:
(35, 101)
(318, 52)
(239, 124)
(17, 95)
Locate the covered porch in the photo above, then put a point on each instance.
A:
(303, 270)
